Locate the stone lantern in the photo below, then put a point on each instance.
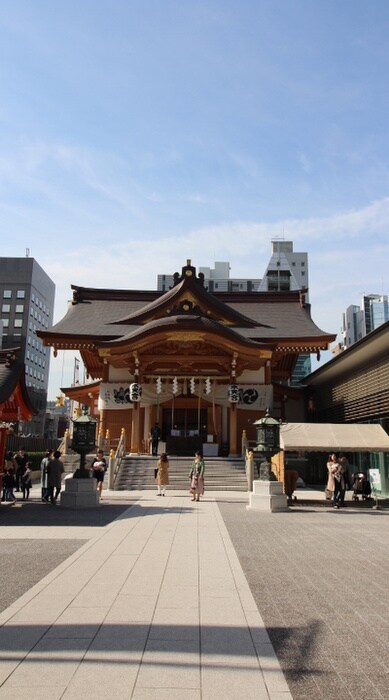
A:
(83, 442)
(268, 442)
(81, 492)
(267, 494)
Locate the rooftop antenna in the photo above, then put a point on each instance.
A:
(27, 252)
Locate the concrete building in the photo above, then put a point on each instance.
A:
(216, 279)
(27, 306)
(359, 321)
(286, 271)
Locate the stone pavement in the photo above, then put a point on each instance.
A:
(152, 604)
(320, 578)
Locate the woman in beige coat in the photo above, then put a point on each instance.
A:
(335, 482)
(162, 474)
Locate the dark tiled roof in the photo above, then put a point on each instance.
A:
(12, 375)
(181, 323)
(276, 316)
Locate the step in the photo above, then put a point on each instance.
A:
(137, 473)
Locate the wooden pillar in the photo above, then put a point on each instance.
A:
(135, 436)
(103, 421)
(233, 431)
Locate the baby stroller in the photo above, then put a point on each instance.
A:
(361, 487)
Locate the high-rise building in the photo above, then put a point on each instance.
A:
(27, 305)
(359, 321)
(216, 279)
(286, 270)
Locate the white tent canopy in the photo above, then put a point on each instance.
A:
(328, 437)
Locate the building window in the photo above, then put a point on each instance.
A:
(6, 308)
(7, 294)
(18, 323)
(302, 264)
(20, 294)
(5, 322)
(19, 308)
(31, 311)
(303, 273)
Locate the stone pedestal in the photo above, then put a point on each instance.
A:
(268, 496)
(80, 493)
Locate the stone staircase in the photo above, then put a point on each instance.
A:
(221, 474)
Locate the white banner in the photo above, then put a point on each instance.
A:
(115, 396)
(252, 397)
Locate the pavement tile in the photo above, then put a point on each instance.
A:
(229, 682)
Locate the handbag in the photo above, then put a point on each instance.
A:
(328, 494)
(155, 472)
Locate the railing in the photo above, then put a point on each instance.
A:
(115, 460)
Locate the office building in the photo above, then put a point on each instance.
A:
(359, 321)
(288, 271)
(27, 306)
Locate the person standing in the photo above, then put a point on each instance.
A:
(345, 467)
(162, 474)
(20, 459)
(44, 476)
(55, 470)
(99, 467)
(26, 481)
(9, 485)
(196, 476)
(155, 436)
(335, 482)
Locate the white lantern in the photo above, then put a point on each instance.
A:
(135, 392)
(233, 393)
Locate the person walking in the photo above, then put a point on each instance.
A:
(26, 481)
(44, 476)
(55, 470)
(99, 467)
(162, 474)
(196, 476)
(155, 436)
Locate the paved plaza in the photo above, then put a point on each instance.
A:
(149, 597)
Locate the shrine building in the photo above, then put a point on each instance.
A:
(204, 366)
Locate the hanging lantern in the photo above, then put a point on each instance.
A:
(192, 385)
(233, 393)
(175, 385)
(208, 386)
(135, 392)
(158, 385)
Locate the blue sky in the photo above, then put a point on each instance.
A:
(136, 134)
